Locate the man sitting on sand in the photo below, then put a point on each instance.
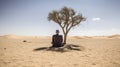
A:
(57, 40)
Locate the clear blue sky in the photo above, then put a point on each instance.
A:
(29, 17)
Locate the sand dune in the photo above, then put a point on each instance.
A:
(114, 36)
(13, 36)
(94, 51)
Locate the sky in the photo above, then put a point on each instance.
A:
(29, 17)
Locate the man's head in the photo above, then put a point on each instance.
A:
(57, 31)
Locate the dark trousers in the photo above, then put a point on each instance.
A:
(57, 45)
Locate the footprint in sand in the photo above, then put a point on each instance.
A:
(116, 64)
(76, 65)
(93, 63)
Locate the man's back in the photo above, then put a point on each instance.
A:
(57, 40)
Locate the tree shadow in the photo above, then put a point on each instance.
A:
(66, 48)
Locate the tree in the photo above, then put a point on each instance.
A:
(66, 18)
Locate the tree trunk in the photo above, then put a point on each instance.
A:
(65, 38)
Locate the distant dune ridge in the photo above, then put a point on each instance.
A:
(21, 37)
(77, 37)
(114, 36)
(13, 36)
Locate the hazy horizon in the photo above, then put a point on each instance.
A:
(60, 34)
(29, 17)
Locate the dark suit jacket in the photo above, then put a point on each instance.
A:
(57, 39)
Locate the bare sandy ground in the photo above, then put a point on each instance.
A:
(19, 51)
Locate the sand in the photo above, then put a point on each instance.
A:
(19, 51)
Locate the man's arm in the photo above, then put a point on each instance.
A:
(52, 39)
(62, 38)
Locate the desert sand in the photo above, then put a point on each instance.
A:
(97, 51)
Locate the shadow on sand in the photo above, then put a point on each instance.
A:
(65, 48)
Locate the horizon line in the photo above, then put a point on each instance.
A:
(51, 35)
